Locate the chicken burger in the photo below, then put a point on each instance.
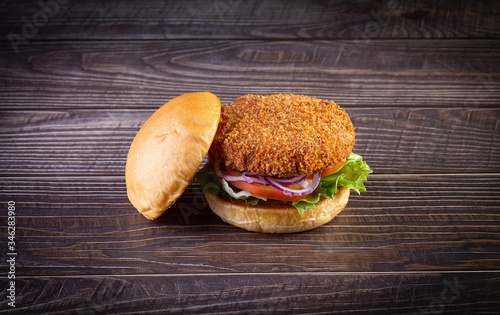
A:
(281, 163)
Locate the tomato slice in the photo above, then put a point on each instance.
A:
(268, 191)
(332, 169)
(264, 191)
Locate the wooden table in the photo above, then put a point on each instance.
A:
(420, 81)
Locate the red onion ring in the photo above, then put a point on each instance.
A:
(304, 183)
(252, 178)
(274, 182)
(290, 180)
(295, 192)
(228, 178)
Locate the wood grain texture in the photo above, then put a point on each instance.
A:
(237, 19)
(144, 74)
(76, 226)
(62, 142)
(420, 80)
(286, 293)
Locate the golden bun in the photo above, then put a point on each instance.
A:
(168, 150)
(277, 217)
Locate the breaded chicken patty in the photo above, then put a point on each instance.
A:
(282, 135)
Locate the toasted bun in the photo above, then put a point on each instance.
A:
(267, 217)
(168, 150)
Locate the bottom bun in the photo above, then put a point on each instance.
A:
(277, 217)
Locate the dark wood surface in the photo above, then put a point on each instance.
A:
(419, 79)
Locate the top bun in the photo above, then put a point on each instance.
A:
(168, 150)
(283, 135)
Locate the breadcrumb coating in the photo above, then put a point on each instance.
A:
(282, 135)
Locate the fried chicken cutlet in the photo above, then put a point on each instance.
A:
(282, 135)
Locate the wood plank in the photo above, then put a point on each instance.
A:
(414, 140)
(85, 225)
(423, 239)
(231, 19)
(143, 74)
(287, 293)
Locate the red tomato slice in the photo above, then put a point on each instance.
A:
(267, 191)
(332, 169)
(264, 191)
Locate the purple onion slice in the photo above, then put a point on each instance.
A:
(295, 192)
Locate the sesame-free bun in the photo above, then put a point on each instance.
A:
(168, 149)
(277, 217)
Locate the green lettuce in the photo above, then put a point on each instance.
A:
(351, 176)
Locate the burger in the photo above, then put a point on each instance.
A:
(276, 163)
(281, 163)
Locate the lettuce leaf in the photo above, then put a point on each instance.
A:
(351, 175)
(212, 184)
